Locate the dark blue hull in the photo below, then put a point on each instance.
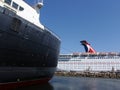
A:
(26, 51)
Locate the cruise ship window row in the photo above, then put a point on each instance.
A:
(88, 67)
(14, 5)
(68, 59)
(106, 57)
(88, 57)
(109, 57)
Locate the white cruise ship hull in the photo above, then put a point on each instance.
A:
(100, 64)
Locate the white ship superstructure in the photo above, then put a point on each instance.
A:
(89, 61)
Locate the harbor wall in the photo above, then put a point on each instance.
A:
(114, 75)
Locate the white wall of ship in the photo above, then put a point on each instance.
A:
(90, 64)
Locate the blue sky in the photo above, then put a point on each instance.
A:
(97, 21)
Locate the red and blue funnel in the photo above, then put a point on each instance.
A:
(87, 47)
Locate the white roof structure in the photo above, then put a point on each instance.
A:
(24, 10)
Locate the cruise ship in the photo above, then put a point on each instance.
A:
(28, 50)
(90, 60)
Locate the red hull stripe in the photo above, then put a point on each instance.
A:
(10, 86)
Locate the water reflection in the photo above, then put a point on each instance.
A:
(76, 83)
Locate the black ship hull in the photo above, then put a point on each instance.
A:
(26, 51)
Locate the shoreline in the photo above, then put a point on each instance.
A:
(112, 75)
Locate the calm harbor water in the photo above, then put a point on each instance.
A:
(77, 83)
